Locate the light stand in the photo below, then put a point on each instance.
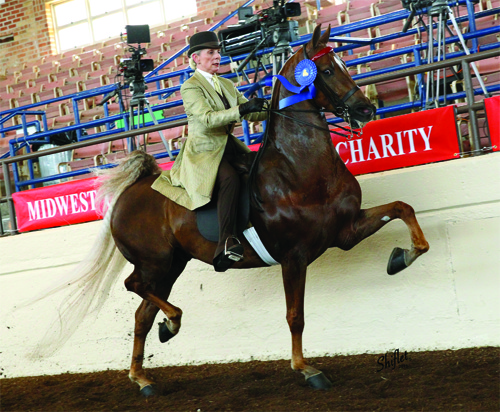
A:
(441, 10)
(281, 52)
(251, 56)
(139, 100)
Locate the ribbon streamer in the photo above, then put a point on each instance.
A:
(308, 93)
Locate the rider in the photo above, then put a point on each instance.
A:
(204, 166)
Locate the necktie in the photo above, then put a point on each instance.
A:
(216, 82)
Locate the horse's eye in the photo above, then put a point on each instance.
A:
(328, 72)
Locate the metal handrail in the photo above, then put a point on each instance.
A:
(430, 67)
(91, 142)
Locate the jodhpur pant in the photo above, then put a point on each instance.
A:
(226, 190)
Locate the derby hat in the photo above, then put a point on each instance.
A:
(203, 40)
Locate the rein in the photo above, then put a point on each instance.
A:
(325, 129)
(341, 110)
(336, 101)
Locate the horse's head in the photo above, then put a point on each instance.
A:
(336, 90)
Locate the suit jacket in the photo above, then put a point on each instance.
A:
(191, 181)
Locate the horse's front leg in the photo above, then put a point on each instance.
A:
(369, 221)
(294, 279)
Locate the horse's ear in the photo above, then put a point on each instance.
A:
(316, 35)
(326, 35)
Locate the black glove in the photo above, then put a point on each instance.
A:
(252, 106)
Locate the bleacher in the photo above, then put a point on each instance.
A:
(68, 79)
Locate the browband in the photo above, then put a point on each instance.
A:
(321, 53)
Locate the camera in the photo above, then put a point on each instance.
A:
(133, 67)
(416, 4)
(269, 28)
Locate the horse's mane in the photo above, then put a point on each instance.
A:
(255, 196)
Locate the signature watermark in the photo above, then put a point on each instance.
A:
(391, 360)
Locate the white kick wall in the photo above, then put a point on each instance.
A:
(449, 298)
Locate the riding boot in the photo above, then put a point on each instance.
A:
(232, 252)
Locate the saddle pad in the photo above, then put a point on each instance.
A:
(208, 222)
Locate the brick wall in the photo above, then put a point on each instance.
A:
(26, 22)
(205, 5)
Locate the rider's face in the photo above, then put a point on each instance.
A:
(207, 60)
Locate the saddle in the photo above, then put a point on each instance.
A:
(206, 216)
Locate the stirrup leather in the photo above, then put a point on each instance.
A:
(231, 254)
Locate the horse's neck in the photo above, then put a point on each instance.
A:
(295, 139)
(296, 154)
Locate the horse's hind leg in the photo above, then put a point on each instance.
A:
(154, 300)
(144, 319)
(371, 220)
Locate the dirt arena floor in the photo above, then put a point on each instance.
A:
(461, 380)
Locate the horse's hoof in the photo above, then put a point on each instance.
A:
(164, 332)
(396, 261)
(148, 391)
(319, 382)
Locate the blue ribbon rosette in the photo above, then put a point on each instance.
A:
(305, 74)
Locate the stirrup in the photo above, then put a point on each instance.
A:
(232, 254)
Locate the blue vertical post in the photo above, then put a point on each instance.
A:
(420, 78)
(260, 93)
(28, 149)
(472, 25)
(15, 172)
(77, 118)
(45, 125)
(246, 132)
(106, 114)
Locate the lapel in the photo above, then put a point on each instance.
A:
(228, 91)
(211, 91)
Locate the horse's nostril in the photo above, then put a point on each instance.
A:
(365, 111)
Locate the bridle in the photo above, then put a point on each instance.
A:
(338, 103)
(340, 109)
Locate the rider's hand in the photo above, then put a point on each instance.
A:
(252, 106)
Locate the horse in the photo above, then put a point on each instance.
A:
(305, 202)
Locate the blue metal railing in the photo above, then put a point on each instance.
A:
(108, 120)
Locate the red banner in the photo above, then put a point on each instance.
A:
(407, 140)
(57, 205)
(492, 106)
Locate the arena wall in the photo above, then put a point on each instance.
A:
(449, 298)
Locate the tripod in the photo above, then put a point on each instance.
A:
(280, 55)
(440, 10)
(139, 100)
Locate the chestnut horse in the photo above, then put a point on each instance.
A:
(307, 202)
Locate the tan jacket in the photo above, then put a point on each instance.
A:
(192, 178)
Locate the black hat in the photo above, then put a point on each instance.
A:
(203, 40)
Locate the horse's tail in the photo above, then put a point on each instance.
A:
(113, 182)
(89, 284)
